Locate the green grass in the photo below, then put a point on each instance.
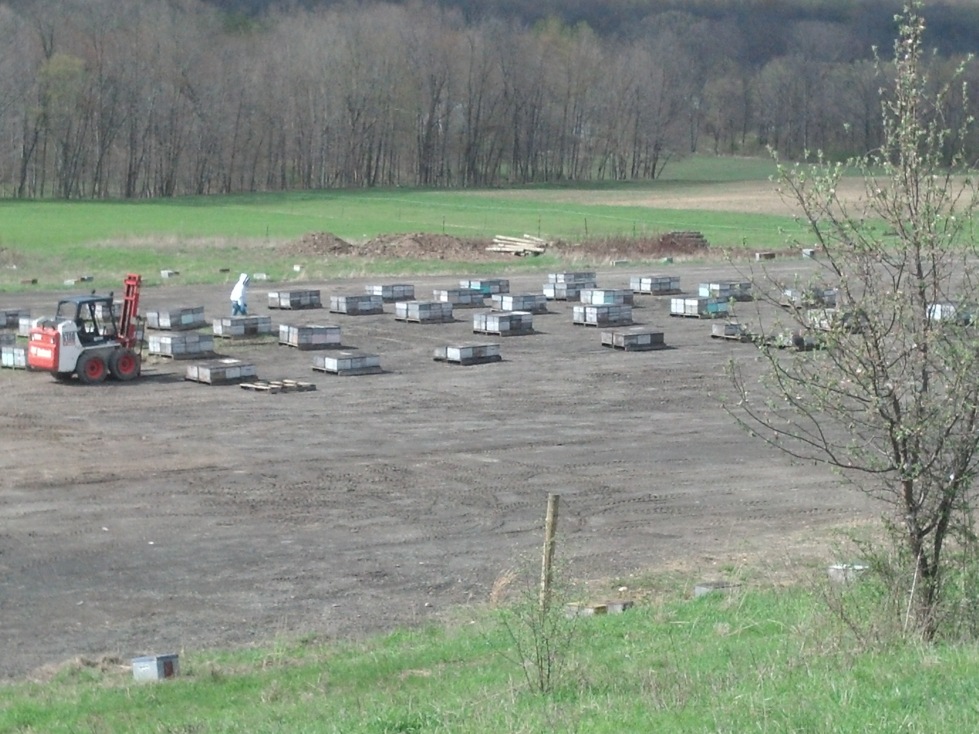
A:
(762, 660)
(53, 241)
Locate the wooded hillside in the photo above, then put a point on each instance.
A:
(170, 97)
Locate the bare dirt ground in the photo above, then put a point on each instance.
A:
(165, 515)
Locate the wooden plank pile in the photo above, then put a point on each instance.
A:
(295, 299)
(519, 246)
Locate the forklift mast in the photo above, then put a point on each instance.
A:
(130, 307)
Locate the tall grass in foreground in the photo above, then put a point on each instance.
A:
(758, 660)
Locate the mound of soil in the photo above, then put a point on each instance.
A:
(422, 246)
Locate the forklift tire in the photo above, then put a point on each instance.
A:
(124, 364)
(91, 369)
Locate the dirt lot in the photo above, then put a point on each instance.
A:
(165, 515)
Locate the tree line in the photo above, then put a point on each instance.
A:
(158, 98)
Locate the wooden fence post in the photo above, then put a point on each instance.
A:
(550, 530)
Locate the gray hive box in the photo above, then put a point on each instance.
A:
(176, 319)
(520, 302)
(156, 667)
(608, 314)
(295, 299)
(391, 292)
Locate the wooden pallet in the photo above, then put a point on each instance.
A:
(277, 386)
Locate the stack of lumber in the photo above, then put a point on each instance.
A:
(519, 246)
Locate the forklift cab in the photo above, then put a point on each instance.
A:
(94, 317)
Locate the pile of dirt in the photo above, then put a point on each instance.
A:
(422, 246)
(317, 244)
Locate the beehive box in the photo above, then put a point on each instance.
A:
(503, 323)
(239, 326)
(810, 296)
(607, 314)
(13, 356)
(520, 302)
(24, 324)
(181, 345)
(563, 291)
(655, 285)
(360, 305)
(727, 290)
(600, 296)
(423, 312)
(156, 667)
(10, 317)
(393, 292)
(347, 363)
(704, 308)
(460, 297)
(468, 354)
(638, 339)
(315, 336)
(295, 299)
(176, 319)
(581, 279)
(220, 372)
(730, 330)
(488, 286)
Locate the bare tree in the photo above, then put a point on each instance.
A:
(892, 401)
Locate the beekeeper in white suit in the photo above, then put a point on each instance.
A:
(239, 296)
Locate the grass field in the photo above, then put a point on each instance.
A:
(730, 201)
(766, 661)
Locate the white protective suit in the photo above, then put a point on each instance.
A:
(239, 295)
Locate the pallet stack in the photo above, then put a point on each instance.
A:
(295, 299)
(608, 314)
(504, 323)
(393, 292)
(180, 345)
(176, 319)
(488, 286)
(238, 326)
(460, 297)
(361, 305)
(599, 296)
(655, 285)
(423, 312)
(309, 337)
(520, 302)
(702, 308)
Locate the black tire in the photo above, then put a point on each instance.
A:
(91, 369)
(124, 364)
